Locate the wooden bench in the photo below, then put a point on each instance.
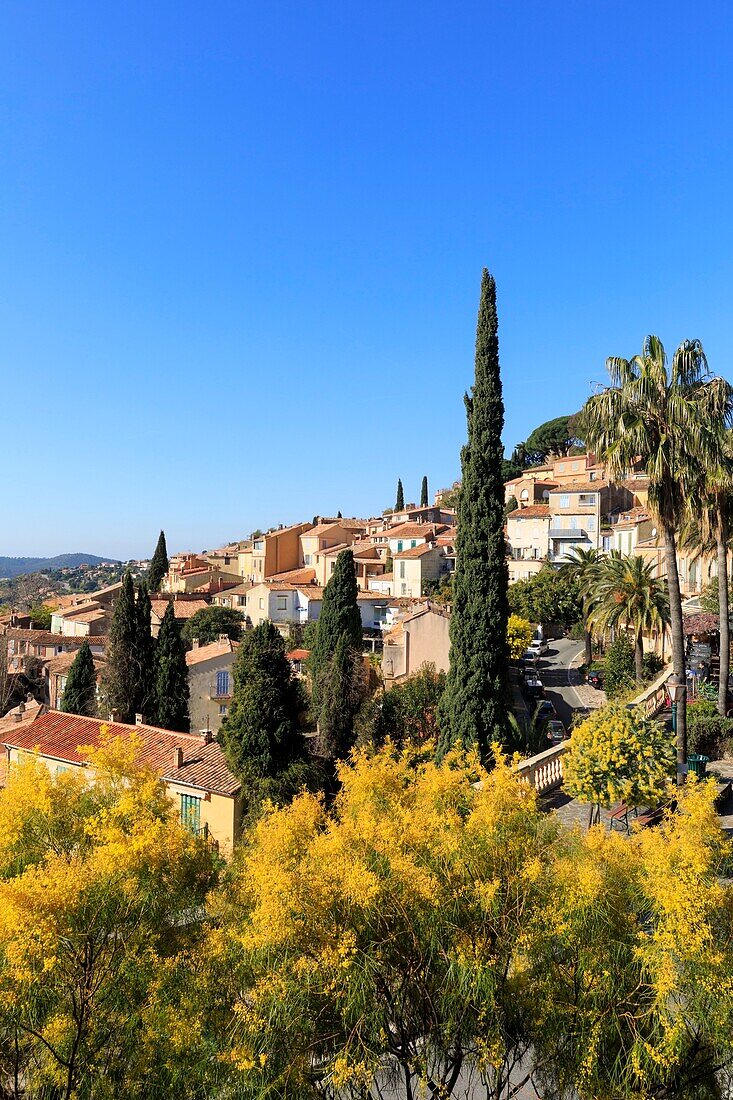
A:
(619, 819)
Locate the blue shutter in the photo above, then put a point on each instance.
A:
(222, 683)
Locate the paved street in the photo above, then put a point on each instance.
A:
(558, 672)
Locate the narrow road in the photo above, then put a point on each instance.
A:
(554, 671)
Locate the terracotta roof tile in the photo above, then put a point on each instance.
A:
(60, 735)
(532, 511)
(416, 551)
(298, 654)
(210, 651)
(182, 609)
(580, 487)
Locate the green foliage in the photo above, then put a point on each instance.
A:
(619, 667)
(342, 691)
(547, 597)
(144, 654)
(171, 676)
(511, 506)
(619, 755)
(554, 437)
(208, 623)
(709, 598)
(653, 665)
(339, 615)
(158, 564)
(40, 614)
(424, 492)
(408, 712)
(260, 734)
(709, 734)
(473, 710)
(120, 679)
(80, 693)
(625, 591)
(400, 501)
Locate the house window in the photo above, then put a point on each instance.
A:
(564, 501)
(281, 603)
(573, 523)
(402, 569)
(191, 813)
(222, 683)
(399, 546)
(262, 603)
(591, 523)
(592, 475)
(606, 542)
(223, 710)
(413, 544)
(586, 499)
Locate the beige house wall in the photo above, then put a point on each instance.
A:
(424, 639)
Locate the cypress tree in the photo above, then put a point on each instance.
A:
(338, 514)
(400, 502)
(158, 564)
(144, 654)
(339, 615)
(80, 693)
(475, 704)
(342, 692)
(120, 676)
(260, 735)
(171, 676)
(424, 492)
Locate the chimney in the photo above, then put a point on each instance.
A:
(223, 639)
(139, 720)
(195, 643)
(178, 757)
(207, 736)
(17, 717)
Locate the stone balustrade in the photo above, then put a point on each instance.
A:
(544, 771)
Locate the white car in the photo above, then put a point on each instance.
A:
(537, 649)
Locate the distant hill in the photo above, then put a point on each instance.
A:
(16, 567)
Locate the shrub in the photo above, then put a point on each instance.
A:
(710, 735)
(619, 667)
(653, 665)
(618, 754)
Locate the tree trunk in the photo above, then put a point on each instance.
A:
(724, 625)
(588, 648)
(639, 657)
(678, 647)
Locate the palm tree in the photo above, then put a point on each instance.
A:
(708, 528)
(628, 594)
(672, 422)
(581, 567)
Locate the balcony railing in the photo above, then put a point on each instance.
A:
(568, 533)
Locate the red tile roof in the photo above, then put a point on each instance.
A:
(416, 551)
(412, 530)
(580, 487)
(532, 511)
(210, 651)
(182, 609)
(298, 654)
(60, 736)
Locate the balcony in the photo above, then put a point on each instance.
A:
(573, 534)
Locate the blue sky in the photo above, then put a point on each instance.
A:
(242, 243)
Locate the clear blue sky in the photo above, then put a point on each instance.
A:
(242, 243)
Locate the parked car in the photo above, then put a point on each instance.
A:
(538, 649)
(533, 687)
(556, 732)
(545, 712)
(595, 679)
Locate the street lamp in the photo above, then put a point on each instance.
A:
(677, 688)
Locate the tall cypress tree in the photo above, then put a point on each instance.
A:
(144, 654)
(260, 735)
(424, 492)
(342, 691)
(400, 502)
(120, 676)
(339, 615)
(80, 693)
(475, 704)
(158, 564)
(171, 676)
